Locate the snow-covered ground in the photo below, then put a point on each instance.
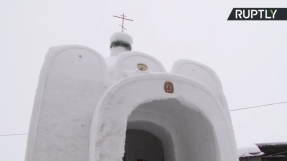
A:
(248, 150)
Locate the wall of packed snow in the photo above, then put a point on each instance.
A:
(70, 84)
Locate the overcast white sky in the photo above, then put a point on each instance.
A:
(250, 57)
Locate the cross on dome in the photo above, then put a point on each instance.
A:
(123, 18)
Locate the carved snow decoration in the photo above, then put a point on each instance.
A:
(168, 87)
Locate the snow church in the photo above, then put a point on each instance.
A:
(127, 107)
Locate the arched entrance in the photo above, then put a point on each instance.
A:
(194, 124)
(185, 133)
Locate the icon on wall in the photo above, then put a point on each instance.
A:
(142, 67)
(168, 87)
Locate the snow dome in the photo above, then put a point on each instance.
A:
(127, 107)
(120, 42)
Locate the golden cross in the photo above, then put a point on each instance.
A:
(123, 18)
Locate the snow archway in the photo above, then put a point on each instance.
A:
(179, 127)
(204, 117)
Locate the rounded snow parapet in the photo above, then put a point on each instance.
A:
(120, 42)
(201, 73)
(135, 63)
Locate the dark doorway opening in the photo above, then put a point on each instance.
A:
(141, 145)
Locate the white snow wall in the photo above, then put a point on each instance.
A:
(72, 87)
(70, 84)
